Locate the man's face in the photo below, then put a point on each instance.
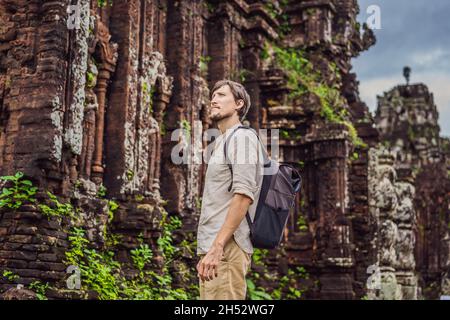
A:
(223, 104)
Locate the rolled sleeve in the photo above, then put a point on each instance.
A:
(245, 160)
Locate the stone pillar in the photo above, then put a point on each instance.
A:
(328, 199)
(383, 205)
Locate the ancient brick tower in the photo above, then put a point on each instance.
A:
(407, 119)
(91, 92)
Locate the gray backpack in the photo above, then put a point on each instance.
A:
(276, 198)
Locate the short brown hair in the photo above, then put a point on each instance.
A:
(239, 93)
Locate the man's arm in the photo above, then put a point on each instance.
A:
(244, 159)
(207, 267)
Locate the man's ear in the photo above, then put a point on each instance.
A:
(240, 104)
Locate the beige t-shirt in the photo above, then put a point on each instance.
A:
(245, 155)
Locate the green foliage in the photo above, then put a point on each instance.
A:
(40, 289)
(285, 134)
(198, 203)
(148, 92)
(255, 293)
(279, 15)
(56, 209)
(98, 270)
(90, 79)
(141, 256)
(103, 274)
(259, 255)
(203, 65)
(286, 286)
(163, 129)
(302, 78)
(19, 192)
(101, 193)
(210, 6)
(165, 241)
(103, 3)
(354, 156)
(112, 207)
(9, 275)
(264, 55)
(301, 223)
(130, 174)
(186, 126)
(240, 75)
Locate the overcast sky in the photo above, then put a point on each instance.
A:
(414, 33)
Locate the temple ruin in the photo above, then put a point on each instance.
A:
(91, 93)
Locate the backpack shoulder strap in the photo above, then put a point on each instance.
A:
(247, 215)
(226, 153)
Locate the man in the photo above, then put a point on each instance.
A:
(223, 239)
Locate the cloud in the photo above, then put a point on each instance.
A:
(428, 57)
(414, 34)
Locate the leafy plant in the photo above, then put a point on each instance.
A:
(103, 3)
(21, 191)
(101, 193)
(40, 289)
(112, 207)
(301, 223)
(256, 293)
(11, 276)
(103, 274)
(186, 126)
(203, 65)
(57, 209)
(141, 256)
(130, 174)
(90, 79)
(286, 286)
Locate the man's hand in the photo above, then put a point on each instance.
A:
(207, 267)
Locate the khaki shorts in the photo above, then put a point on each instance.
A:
(230, 281)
